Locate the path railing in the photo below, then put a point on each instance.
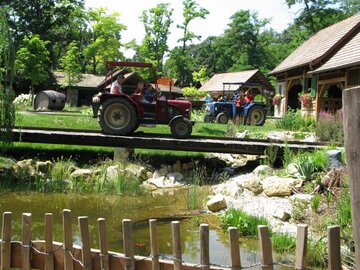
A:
(50, 255)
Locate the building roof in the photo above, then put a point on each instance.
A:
(321, 45)
(215, 84)
(87, 80)
(347, 56)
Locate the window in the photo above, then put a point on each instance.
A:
(353, 77)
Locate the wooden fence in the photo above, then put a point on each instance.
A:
(50, 255)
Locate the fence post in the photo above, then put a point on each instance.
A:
(85, 243)
(68, 242)
(176, 243)
(334, 261)
(204, 247)
(351, 102)
(49, 256)
(234, 248)
(104, 255)
(6, 245)
(301, 246)
(26, 241)
(154, 245)
(266, 248)
(128, 244)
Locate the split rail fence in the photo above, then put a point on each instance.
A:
(50, 255)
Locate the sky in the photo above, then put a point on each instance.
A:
(214, 24)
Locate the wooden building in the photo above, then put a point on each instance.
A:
(322, 67)
(214, 86)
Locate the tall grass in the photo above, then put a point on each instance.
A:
(245, 223)
(196, 178)
(283, 242)
(292, 120)
(330, 128)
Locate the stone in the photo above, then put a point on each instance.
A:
(122, 154)
(277, 186)
(164, 182)
(176, 176)
(214, 163)
(280, 136)
(81, 173)
(293, 170)
(281, 215)
(216, 203)
(163, 170)
(149, 175)
(310, 138)
(229, 188)
(334, 157)
(139, 172)
(242, 135)
(149, 186)
(254, 185)
(263, 170)
(43, 166)
(306, 198)
(112, 172)
(177, 166)
(24, 169)
(185, 167)
(156, 174)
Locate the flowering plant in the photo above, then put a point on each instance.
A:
(276, 100)
(306, 100)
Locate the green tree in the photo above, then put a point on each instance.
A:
(157, 22)
(105, 43)
(191, 11)
(7, 108)
(32, 60)
(70, 63)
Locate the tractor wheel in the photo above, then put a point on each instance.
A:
(256, 116)
(207, 118)
(181, 128)
(117, 116)
(222, 118)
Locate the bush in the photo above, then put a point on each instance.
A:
(293, 120)
(23, 101)
(246, 224)
(305, 167)
(320, 160)
(330, 128)
(283, 242)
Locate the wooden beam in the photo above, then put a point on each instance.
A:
(6, 241)
(266, 248)
(334, 260)
(351, 97)
(332, 81)
(234, 248)
(301, 247)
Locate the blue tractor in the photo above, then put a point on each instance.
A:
(253, 113)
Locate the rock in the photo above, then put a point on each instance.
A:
(177, 166)
(24, 169)
(112, 172)
(280, 136)
(241, 135)
(175, 176)
(164, 182)
(185, 167)
(263, 170)
(281, 215)
(310, 138)
(229, 188)
(277, 186)
(254, 185)
(139, 172)
(301, 198)
(156, 174)
(43, 166)
(216, 203)
(83, 173)
(214, 163)
(149, 175)
(149, 186)
(163, 170)
(334, 157)
(293, 170)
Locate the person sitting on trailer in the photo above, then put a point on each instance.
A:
(116, 86)
(248, 97)
(140, 88)
(150, 93)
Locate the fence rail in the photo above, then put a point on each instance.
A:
(50, 255)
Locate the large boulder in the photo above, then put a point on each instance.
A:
(334, 157)
(164, 182)
(216, 203)
(229, 188)
(292, 170)
(83, 174)
(24, 169)
(254, 185)
(277, 186)
(112, 172)
(263, 171)
(43, 166)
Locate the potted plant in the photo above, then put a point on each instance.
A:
(276, 100)
(306, 100)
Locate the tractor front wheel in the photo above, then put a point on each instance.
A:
(181, 128)
(117, 116)
(222, 118)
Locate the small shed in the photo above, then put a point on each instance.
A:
(49, 100)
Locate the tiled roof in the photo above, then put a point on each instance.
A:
(87, 80)
(348, 55)
(215, 84)
(318, 45)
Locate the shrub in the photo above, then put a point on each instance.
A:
(283, 242)
(320, 160)
(305, 167)
(330, 128)
(246, 224)
(23, 101)
(271, 153)
(317, 253)
(315, 202)
(293, 120)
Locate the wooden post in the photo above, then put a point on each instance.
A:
(128, 244)
(104, 255)
(49, 256)
(234, 248)
(154, 245)
(85, 243)
(266, 248)
(301, 246)
(6, 244)
(68, 241)
(204, 247)
(26, 241)
(351, 106)
(176, 243)
(334, 261)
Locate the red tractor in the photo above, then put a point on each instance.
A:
(122, 114)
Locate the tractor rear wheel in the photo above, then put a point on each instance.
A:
(117, 116)
(222, 118)
(181, 128)
(256, 116)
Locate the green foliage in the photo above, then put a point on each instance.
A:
(283, 242)
(271, 153)
(320, 160)
(299, 211)
(194, 92)
(70, 63)
(330, 128)
(32, 59)
(305, 167)
(201, 75)
(316, 253)
(288, 155)
(196, 178)
(246, 224)
(315, 202)
(293, 120)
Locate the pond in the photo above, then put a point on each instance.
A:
(114, 208)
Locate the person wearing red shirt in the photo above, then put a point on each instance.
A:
(248, 97)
